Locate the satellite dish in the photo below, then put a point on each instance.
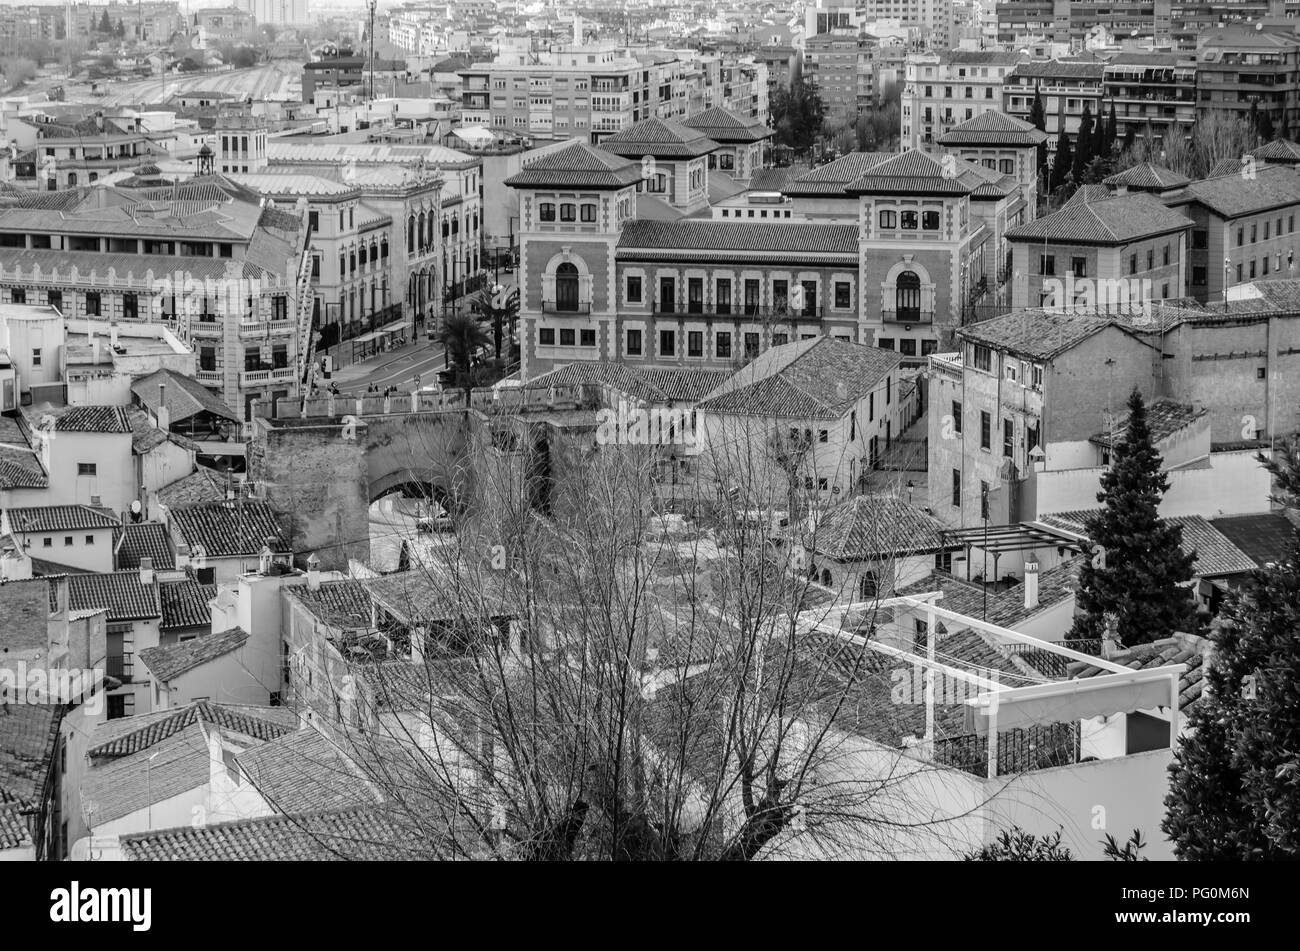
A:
(135, 507)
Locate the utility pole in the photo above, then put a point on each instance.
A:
(371, 97)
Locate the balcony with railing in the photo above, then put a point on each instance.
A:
(749, 313)
(909, 315)
(206, 325)
(263, 328)
(266, 375)
(210, 377)
(576, 307)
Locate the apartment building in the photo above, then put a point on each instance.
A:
(1243, 229)
(1066, 87)
(944, 89)
(204, 258)
(831, 63)
(1004, 144)
(433, 194)
(1107, 253)
(1151, 89)
(934, 21)
(1238, 69)
(68, 153)
(590, 91)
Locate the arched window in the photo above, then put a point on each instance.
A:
(455, 226)
(422, 242)
(410, 233)
(72, 179)
(383, 249)
(907, 296)
(566, 287)
(446, 229)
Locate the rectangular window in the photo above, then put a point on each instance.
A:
(986, 430)
(983, 358)
(55, 299)
(667, 343)
(724, 296)
(1079, 267)
(909, 219)
(1132, 263)
(567, 337)
(984, 500)
(568, 212)
(36, 356)
(956, 488)
(1166, 255)
(87, 468)
(694, 343)
(751, 345)
(587, 337)
(723, 344)
(956, 417)
(546, 211)
(634, 290)
(92, 304)
(1047, 264)
(1008, 437)
(695, 295)
(888, 219)
(930, 221)
(588, 212)
(546, 336)
(843, 295)
(667, 295)
(634, 343)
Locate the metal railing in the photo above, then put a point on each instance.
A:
(566, 307)
(908, 316)
(1020, 750)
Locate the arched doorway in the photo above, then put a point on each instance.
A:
(907, 296)
(566, 287)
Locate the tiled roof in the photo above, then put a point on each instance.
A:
(833, 178)
(1164, 418)
(653, 384)
(366, 833)
(1279, 151)
(1036, 333)
(118, 592)
(202, 485)
(344, 603)
(822, 378)
(720, 125)
(578, 166)
(1179, 649)
(723, 236)
(869, 526)
(186, 397)
(1215, 553)
(1148, 177)
(93, 419)
(120, 738)
(913, 173)
(145, 540)
(775, 179)
(60, 518)
(14, 832)
(1114, 219)
(173, 660)
(224, 529)
(304, 772)
(993, 128)
(661, 138)
(28, 735)
(185, 604)
(1004, 608)
(21, 469)
(1264, 538)
(24, 615)
(1056, 69)
(1233, 195)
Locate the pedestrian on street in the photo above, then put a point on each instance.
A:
(417, 381)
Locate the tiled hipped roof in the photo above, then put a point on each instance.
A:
(224, 529)
(171, 661)
(642, 238)
(1114, 219)
(868, 526)
(118, 592)
(578, 166)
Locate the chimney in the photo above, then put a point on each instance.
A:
(112, 334)
(1031, 583)
(61, 595)
(164, 415)
(313, 572)
(146, 570)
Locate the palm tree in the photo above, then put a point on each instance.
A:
(462, 335)
(500, 315)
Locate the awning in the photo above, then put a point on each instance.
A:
(395, 326)
(366, 338)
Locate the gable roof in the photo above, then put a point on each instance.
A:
(993, 128)
(367, 833)
(1113, 219)
(822, 378)
(344, 603)
(722, 125)
(166, 663)
(60, 518)
(1216, 555)
(186, 604)
(1038, 333)
(201, 485)
(118, 592)
(303, 772)
(93, 419)
(1164, 418)
(145, 540)
(225, 529)
(833, 178)
(1281, 151)
(868, 526)
(577, 165)
(660, 138)
(186, 397)
(116, 739)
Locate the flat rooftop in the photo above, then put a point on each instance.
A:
(29, 312)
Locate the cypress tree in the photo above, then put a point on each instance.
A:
(1084, 143)
(1112, 128)
(1061, 164)
(1140, 572)
(1038, 118)
(1232, 789)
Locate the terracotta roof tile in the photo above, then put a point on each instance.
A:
(93, 419)
(578, 166)
(185, 604)
(661, 138)
(993, 128)
(173, 660)
(713, 237)
(60, 518)
(1112, 219)
(145, 540)
(871, 526)
(118, 592)
(224, 529)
